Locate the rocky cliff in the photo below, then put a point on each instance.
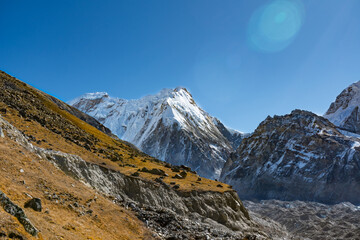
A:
(299, 156)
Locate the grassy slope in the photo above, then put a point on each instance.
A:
(40, 178)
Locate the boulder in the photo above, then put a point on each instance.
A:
(34, 204)
(183, 174)
(157, 171)
(177, 176)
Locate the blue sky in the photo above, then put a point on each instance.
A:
(241, 60)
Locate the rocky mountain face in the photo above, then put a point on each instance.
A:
(344, 112)
(299, 156)
(168, 125)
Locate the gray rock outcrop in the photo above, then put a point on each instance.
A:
(17, 212)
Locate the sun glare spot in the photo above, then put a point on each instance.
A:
(280, 17)
(273, 26)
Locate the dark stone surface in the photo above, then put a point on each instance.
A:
(34, 204)
(17, 212)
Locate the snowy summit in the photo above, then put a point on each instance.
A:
(344, 112)
(168, 125)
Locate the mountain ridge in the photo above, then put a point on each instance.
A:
(298, 149)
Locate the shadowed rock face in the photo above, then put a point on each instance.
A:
(299, 156)
(179, 147)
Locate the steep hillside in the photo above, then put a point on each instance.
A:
(168, 125)
(70, 210)
(52, 155)
(299, 156)
(344, 112)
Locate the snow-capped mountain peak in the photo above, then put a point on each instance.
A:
(168, 125)
(344, 112)
(89, 96)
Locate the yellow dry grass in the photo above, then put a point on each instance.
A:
(107, 221)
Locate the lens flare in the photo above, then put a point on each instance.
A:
(274, 26)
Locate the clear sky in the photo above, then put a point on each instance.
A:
(241, 60)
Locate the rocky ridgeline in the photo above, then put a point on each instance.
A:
(172, 214)
(299, 156)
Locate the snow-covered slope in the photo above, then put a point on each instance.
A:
(344, 112)
(299, 156)
(168, 125)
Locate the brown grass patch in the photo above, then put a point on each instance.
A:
(58, 220)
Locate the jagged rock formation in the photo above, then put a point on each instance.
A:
(168, 125)
(344, 112)
(311, 220)
(299, 156)
(17, 212)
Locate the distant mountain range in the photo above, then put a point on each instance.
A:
(299, 156)
(168, 125)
